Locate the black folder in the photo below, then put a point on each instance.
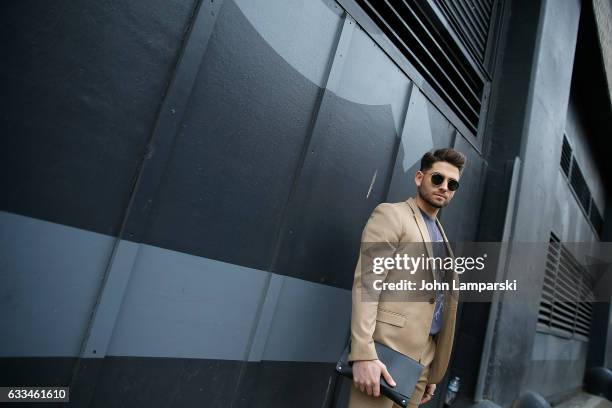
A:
(404, 370)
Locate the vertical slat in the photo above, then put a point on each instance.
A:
(440, 54)
(487, 5)
(467, 31)
(462, 9)
(475, 17)
(461, 31)
(480, 14)
(570, 313)
(375, 9)
(554, 242)
(566, 155)
(438, 17)
(445, 41)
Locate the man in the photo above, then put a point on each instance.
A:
(422, 330)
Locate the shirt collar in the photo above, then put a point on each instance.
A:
(427, 215)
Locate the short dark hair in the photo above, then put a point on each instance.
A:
(448, 155)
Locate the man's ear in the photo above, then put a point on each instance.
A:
(418, 178)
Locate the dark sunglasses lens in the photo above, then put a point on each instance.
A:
(453, 184)
(437, 179)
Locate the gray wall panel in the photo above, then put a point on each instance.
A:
(311, 323)
(179, 305)
(239, 145)
(344, 177)
(347, 165)
(82, 83)
(367, 76)
(462, 216)
(175, 305)
(541, 136)
(424, 129)
(550, 348)
(49, 279)
(302, 32)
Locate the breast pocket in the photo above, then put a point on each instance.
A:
(390, 318)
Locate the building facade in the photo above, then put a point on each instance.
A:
(185, 185)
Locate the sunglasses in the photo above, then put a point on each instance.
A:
(437, 179)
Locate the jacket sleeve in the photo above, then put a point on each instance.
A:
(383, 228)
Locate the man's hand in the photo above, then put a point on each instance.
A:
(429, 392)
(366, 376)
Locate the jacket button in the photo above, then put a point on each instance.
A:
(431, 301)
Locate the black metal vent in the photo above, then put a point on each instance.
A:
(566, 305)
(570, 168)
(472, 20)
(596, 218)
(417, 29)
(566, 156)
(580, 186)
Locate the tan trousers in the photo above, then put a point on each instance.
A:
(360, 399)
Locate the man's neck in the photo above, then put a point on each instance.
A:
(428, 209)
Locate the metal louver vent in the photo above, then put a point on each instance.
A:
(416, 29)
(580, 187)
(566, 156)
(596, 218)
(570, 168)
(566, 306)
(472, 20)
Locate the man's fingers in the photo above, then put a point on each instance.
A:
(429, 392)
(388, 377)
(359, 386)
(367, 377)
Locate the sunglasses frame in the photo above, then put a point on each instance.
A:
(448, 184)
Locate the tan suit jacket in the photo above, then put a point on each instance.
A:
(402, 325)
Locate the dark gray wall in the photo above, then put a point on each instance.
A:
(529, 121)
(82, 87)
(186, 188)
(186, 191)
(557, 364)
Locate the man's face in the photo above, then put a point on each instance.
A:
(437, 196)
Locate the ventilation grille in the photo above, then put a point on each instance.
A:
(472, 20)
(596, 218)
(566, 306)
(580, 186)
(417, 29)
(571, 169)
(566, 156)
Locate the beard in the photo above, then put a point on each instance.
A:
(429, 199)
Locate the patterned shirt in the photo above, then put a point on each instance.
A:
(439, 250)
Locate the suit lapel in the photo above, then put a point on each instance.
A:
(416, 212)
(455, 276)
(446, 243)
(446, 331)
